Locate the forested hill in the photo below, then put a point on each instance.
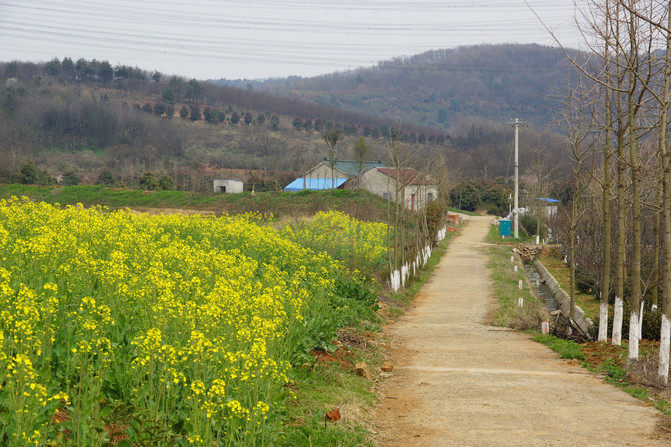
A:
(443, 87)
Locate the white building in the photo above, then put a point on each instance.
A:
(227, 185)
(415, 190)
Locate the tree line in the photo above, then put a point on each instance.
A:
(617, 228)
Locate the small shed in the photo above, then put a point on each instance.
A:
(227, 185)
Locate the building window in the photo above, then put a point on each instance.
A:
(429, 196)
(385, 195)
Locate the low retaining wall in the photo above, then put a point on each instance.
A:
(563, 299)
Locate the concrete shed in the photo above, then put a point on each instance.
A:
(227, 185)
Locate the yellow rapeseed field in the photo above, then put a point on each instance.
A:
(176, 330)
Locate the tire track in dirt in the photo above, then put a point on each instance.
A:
(459, 381)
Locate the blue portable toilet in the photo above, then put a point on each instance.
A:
(505, 227)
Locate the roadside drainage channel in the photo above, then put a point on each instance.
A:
(541, 288)
(560, 297)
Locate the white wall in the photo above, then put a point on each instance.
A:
(228, 186)
(383, 185)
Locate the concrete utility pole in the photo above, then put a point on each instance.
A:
(516, 212)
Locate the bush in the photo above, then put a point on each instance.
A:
(148, 181)
(28, 173)
(529, 222)
(166, 183)
(71, 179)
(105, 178)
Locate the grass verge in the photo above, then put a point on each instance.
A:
(328, 384)
(506, 287)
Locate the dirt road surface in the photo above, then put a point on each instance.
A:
(458, 381)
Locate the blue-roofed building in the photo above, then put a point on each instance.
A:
(314, 184)
(320, 177)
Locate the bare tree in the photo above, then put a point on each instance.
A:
(331, 139)
(575, 120)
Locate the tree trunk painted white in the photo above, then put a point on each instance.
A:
(640, 321)
(395, 280)
(603, 321)
(633, 336)
(617, 318)
(665, 342)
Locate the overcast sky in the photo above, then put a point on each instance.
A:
(211, 39)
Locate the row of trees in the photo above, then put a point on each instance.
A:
(387, 131)
(174, 89)
(616, 118)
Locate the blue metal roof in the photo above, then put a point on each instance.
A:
(314, 184)
(544, 199)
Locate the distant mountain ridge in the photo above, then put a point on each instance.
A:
(443, 87)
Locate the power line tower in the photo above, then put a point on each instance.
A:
(516, 123)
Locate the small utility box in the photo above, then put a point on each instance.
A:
(505, 227)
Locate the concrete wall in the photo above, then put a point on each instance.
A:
(323, 170)
(563, 299)
(228, 186)
(383, 185)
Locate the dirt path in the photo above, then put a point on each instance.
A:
(458, 381)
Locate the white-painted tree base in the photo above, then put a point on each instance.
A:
(617, 321)
(603, 321)
(665, 342)
(633, 336)
(640, 321)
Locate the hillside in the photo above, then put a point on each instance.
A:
(86, 119)
(89, 122)
(442, 88)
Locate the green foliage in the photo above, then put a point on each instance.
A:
(465, 197)
(71, 179)
(45, 179)
(275, 122)
(193, 89)
(159, 109)
(166, 183)
(472, 194)
(184, 112)
(495, 198)
(168, 96)
(435, 212)
(29, 173)
(567, 349)
(360, 150)
(148, 181)
(195, 113)
(105, 178)
(529, 222)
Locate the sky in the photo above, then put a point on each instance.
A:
(261, 39)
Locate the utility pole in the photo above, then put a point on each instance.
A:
(516, 212)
